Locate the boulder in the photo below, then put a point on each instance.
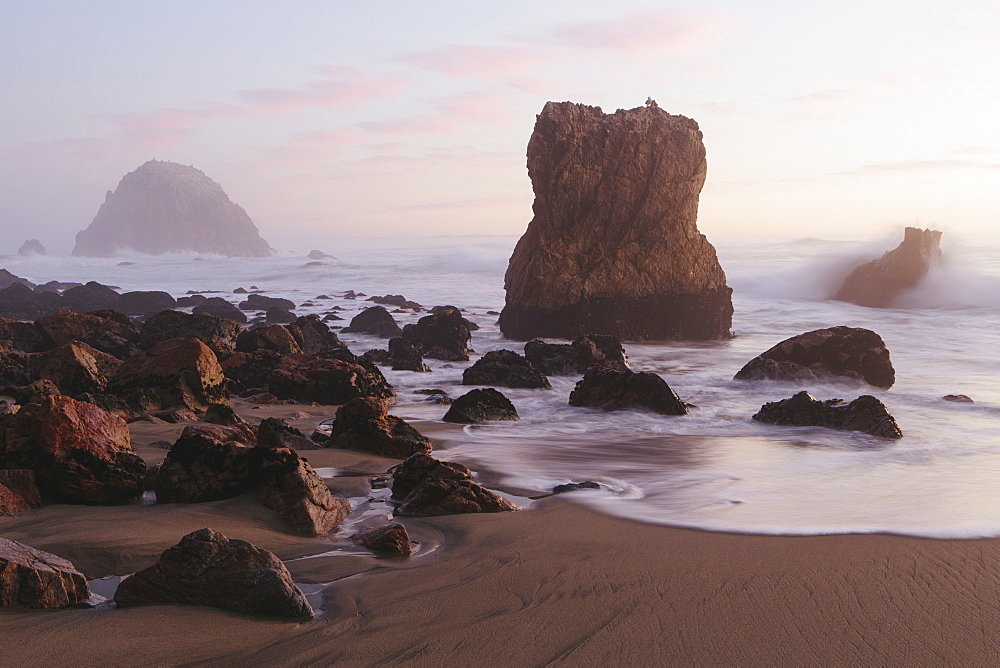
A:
(278, 316)
(614, 247)
(293, 489)
(245, 371)
(32, 393)
(866, 413)
(201, 468)
(958, 398)
(37, 579)
(433, 497)
(15, 365)
(835, 353)
(241, 432)
(79, 453)
(416, 468)
(575, 486)
(110, 332)
(504, 368)
(327, 381)
(145, 302)
(403, 356)
(395, 300)
(76, 368)
(586, 352)
(91, 296)
(189, 300)
(259, 302)
(388, 539)
(442, 335)
(218, 333)
(22, 483)
(273, 337)
(481, 405)
(220, 308)
(24, 336)
(880, 281)
(375, 320)
(319, 255)
(363, 424)
(164, 207)
(20, 303)
(276, 433)
(175, 372)
(206, 568)
(313, 336)
(612, 390)
(31, 247)
(222, 414)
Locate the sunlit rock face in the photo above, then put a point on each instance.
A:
(163, 207)
(614, 247)
(880, 281)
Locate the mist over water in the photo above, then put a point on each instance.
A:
(716, 468)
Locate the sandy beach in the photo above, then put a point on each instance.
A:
(552, 583)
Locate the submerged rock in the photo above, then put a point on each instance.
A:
(958, 398)
(163, 207)
(880, 281)
(866, 413)
(37, 579)
(613, 247)
(206, 568)
(612, 390)
(481, 405)
(504, 368)
(835, 353)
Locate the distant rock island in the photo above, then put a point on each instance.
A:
(31, 247)
(164, 207)
(879, 282)
(614, 246)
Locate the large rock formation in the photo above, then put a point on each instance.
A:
(614, 247)
(880, 281)
(163, 207)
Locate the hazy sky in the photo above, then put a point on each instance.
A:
(411, 118)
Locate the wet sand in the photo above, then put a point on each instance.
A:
(555, 582)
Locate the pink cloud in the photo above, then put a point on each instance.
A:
(464, 60)
(647, 33)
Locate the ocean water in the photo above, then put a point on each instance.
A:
(715, 468)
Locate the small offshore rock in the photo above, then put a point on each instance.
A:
(866, 414)
(958, 398)
(481, 405)
(611, 390)
(574, 486)
(504, 368)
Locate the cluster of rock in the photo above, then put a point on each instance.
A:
(23, 300)
(866, 414)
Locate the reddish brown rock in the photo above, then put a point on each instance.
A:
(11, 503)
(835, 353)
(442, 335)
(613, 390)
(276, 433)
(108, 331)
(37, 579)
(418, 467)
(327, 381)
(613, 247)
(206, 568)
(222, 414)
(299, 495)
(880, 281)
(15, 366)
(313, 335)
(78, 452)
(19, 483)
(389, 539)
(76, 368)
(176, 372)
(451, 497)
(217, 333)
(276, 338)
(240, 432)
(364, 424)
(23, 336)
(201, 468)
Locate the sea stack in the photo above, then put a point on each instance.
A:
(880, 281)
(614, 246)
(164, 207)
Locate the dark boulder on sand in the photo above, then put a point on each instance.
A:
(388, 539)
(481, 405)
(880, 281)
(329, 381)
(866, 413)
(614, 247)
(175, 372)
(274, 432)
(612, 390)
(218, 333)
(375, 320)
(428, 487)
(206, 568)
(76, 368)
(79, 453)
(443, 335)
(835, 353)
(293, 489)
(37, 579)
(504, 368)
(364, 424)
(222, 414)
(586, 352)
(314, 336)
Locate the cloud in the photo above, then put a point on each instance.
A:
(340, 87)
(646, 33)
(467, 61)
(448, 114)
